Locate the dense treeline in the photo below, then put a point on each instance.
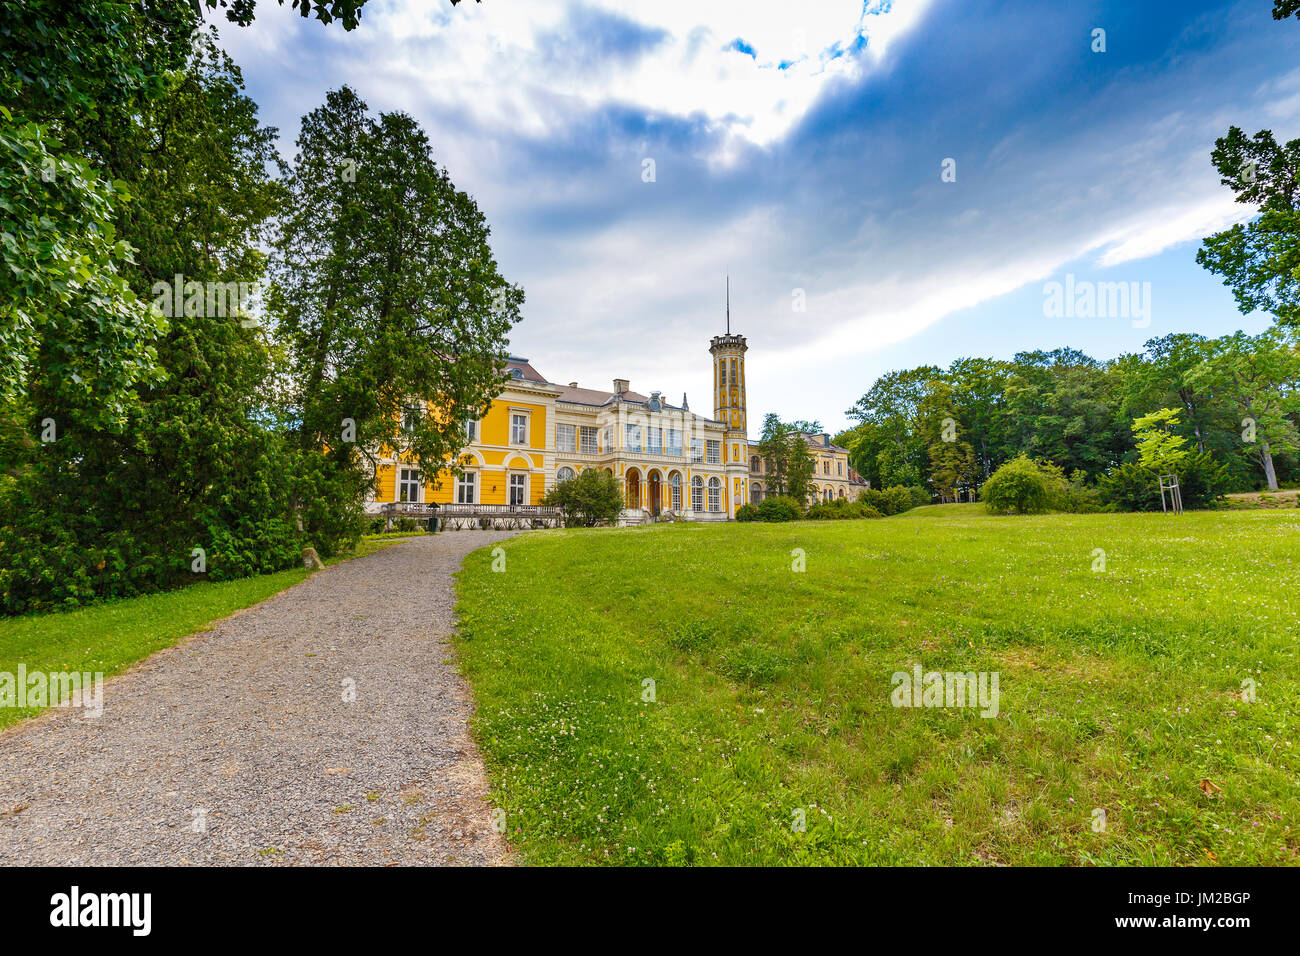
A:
(1236, 398)
(161, 420)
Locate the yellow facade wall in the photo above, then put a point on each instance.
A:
(491, 465)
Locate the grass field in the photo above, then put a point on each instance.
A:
(1121, 690)
(109, 637)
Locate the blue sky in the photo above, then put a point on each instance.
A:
(801, 151)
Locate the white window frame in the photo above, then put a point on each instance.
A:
(608, 438)
(697, 449)
(403, 481)
(516, 414)
(715, 495)
(697, 493)
(518, 480)
(674, 447)
(675, 483)
(571, 431)
(713, 451)
(654, 441)
(467, 482)
(471, 431)
(587, 439)
(560, 475)
(629, 431)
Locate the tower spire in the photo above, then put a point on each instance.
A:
(728, 303)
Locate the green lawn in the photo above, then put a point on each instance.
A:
(1119, 690)
(109, 637)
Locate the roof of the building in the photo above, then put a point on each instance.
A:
(526, 371)
(596, 396)
(820, 440)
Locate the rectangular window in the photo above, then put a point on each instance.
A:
(674, 442)
(677, 496)
(609, 438)
(697, 496)
(410, 418)
(519, 429)
(518, 486)
(471, 432)
(715, 453)
(632, 440)
(408, 488)
(839, 467)
(697, 451)
(715, 495)
(655, 441)
(587, 439)
(465, 489)
(566, 438)
(826, 468)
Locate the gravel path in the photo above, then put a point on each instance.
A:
(237, 747)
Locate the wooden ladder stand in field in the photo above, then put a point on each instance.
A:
(1169, 483)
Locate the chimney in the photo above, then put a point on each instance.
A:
(620, 386)
(826, 440)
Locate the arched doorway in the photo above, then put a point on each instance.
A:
(633, 488)
(655, 496)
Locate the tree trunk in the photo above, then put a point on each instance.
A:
(1269, 473)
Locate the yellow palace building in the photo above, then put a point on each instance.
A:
(668, 459)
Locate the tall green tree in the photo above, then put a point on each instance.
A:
(1257, 378)
(387, 293)
(892, 451)
(200, 463)
(788, 463)
(68, 320)
(1260, 260)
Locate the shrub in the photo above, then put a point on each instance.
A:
(406, 524)
(377, 525)
(747, 513)
(779, 508)
(841, 508)
(895, 499)
(1019, 486)
(590, 498)
(1132, 487)
(1073, 494)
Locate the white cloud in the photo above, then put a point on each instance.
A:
(522, 65)
(1152, 231)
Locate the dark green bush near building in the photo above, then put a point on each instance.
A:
(895, 499)
(589, 498)
(840, 509)
(778, 508)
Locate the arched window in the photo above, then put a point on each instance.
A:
(755, 493)
(697, 493)
(715, 494)
(675, 483)
(564, 474)
(753, 463)
(842, 493)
